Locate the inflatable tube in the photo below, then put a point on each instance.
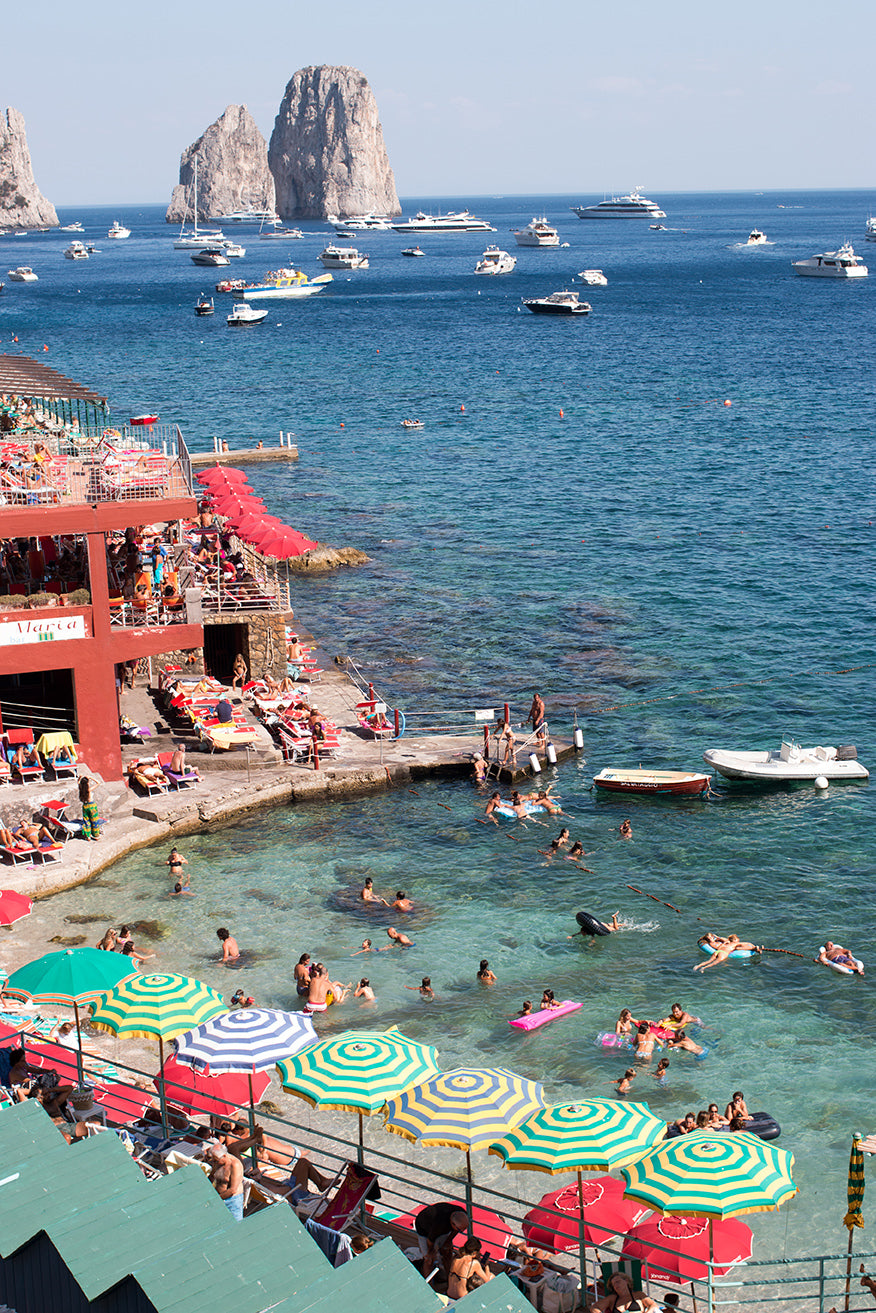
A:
(843, 970)
(737, 952)
(505, 809)
(544, 1015)
(760, 1124)
(591, 925)
(609, 1040)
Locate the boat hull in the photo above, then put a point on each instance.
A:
(668, 783)
(769, 768)
(281, 293)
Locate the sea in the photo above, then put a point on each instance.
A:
(660, 516)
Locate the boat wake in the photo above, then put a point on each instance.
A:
(643, 927)
(749, 246)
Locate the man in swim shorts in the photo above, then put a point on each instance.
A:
(536, 716)
(302, 974)
(317, 990)
(494, 802)
(230, 951)
(840, 957)
(397, 938)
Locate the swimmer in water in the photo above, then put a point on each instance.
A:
(625, 1022)
(526, 1010)
(366, 948)
(479, 767)
(576, 852)
(722, 946)
(624, 1083)
(396, 937)
(425, 989)
(626, 829)
(179, 889)
(681, 1041)
(176, 862)
(548, 1001)
(369, 896)
(485, 975)
(644, 1042)
(660, 1072)
(230, 951)
(552, 851)
(678, 1018)
(495, 801)
(402, 903)
(610, 926)
(562, 838)
(364, 991)
(302, 974)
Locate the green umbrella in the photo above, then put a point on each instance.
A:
(68, 978)
(156, 1006)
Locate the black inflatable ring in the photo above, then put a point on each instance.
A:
(591, 925)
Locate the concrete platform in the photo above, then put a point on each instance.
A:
(243, 456)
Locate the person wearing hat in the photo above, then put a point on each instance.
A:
(436, 1226)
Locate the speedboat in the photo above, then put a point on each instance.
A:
(673, 782)
(832, 264)
(756, 238)
(537, 232)
(281, 235)
(361, 222)
(211, 255)
(244, 313)
(23, 274)
(657, 227)
(495, 262)
(412, 424)
(118, 230)
(73, 227)
(342, 257)
(231, 285)
(75, 251)
(870, 229)
(233, 250)
(593, 277)
(788, 763)
(204, 305)
(413, 250)
(285, 283)
(558, 303)
(634, 206)
(458, 221)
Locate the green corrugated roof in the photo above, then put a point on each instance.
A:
(381, 1280)
(498, 1296)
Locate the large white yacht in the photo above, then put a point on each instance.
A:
(634, 206)
(460, 221)
(118, 230)
(832, 264)
(495, 262)
(248, 216)
(342, 257)
(537, 233)
(870, 230)
(361, 223)
(76, 251)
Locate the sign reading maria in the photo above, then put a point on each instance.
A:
(42, 630)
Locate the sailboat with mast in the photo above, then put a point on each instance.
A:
(196, 237)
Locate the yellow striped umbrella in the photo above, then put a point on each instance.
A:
(712, 1174)
(855, 1201)
(156, 1006)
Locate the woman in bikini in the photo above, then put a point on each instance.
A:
(622, 1298)
(467, 1270)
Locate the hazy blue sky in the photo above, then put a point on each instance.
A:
(535, 96)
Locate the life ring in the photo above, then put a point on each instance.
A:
(591, 925)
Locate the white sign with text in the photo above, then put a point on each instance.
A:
(15, 632)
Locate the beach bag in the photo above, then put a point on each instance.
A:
(559, 1292)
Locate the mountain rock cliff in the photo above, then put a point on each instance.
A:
(233, 171)
(22, 204)
(327, 153)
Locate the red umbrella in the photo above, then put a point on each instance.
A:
(13, 906)
(691, 1245)
(220, 474)
(122, 1103)
(606, 1213)
(248, 525)
(219, 1096)
(235, 499)
(492, 1230)
(54, 1057)
(282, 545)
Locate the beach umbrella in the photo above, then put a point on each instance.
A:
(595, 1135)
(468, 1108)
(209, 1096)
(285, 543)
(70, 978)
(490, 1228)
(709, 1174)
(13, 906)
(155, 1006)
(855, 1201)
(358, 1071)
(680, 1248)
(572, 1218)
(221, 474)
(121, 1103)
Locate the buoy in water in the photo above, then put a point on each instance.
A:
(821, 782)
(562, 416)
(534, 764)
(578, 738)
(462, 407)
(550, 753)
(728, 403)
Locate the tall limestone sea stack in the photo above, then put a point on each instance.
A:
(327, 153)
(233, 171)
(22, 204)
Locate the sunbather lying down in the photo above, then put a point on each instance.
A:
(278, 1161)
(146, 775)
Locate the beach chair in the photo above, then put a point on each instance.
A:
(341, 1201)
(65, 766)
(12, 740)
(20, 853)
(178, 781)
(149, 786)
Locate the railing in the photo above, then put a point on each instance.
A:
(267, 590)
(42, 719)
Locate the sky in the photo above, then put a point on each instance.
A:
(476, 98)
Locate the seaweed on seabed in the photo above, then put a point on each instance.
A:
(82, 918)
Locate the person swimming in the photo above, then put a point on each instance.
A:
(485, 975)
(548, 1000)
(623, 1083)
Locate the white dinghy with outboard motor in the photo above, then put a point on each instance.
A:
(788, 764)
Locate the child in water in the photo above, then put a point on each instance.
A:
(425, 989)
(364, 991)
(526, 1010)
(625, 1082)
(548, 1000)
(660, 1073)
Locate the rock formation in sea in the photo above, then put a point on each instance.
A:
(327, 153)
(233, 171)
(22, 204)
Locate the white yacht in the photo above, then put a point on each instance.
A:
(558, 303)
(281, 235)
(196, 237)
(248, 216)
(342, 257)
(73, 227)
(361, 223)
(634, 206)
(495, 262)
(832, 264)
(23, 274)
(537, 233)
(118, 230)
(211, 256)
(233, 250)
(756, 238)
(459, 221)
(593, 277)
(76, 251)
(870, 229)
(244, 313)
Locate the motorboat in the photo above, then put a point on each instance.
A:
(412, 424)
(457, 221)
(75, 251)
(756, 238)
(233, 250)
(72, 228)
(210, 255)
(285, 284)
(558, 303)
(281, 235)
(118, 230)
(634, 206)
(788, 763)
(537, 232)
(657, 227)
(361, 223)
(231, 285)
(342, 257)
(244, 313)
(832, 264)
(664, 782)
(593, 277)
(870, 229)
(204, 305)
(495, 262)
(248, 216)
(413, 250)
(23, 274)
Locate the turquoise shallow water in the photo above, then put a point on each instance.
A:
(682, 574)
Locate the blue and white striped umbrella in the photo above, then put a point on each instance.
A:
(253, 1039)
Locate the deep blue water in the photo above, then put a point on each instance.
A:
(682, 573)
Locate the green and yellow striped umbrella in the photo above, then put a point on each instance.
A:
(704, 1174)
(156, 1006)
(468, 1108)
(855, 1216)
(595, 1135)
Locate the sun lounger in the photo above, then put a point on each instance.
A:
(12, 740)
(177, 780)
(341, 1201)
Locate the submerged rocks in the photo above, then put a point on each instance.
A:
(22, 204)
(327, 153)
(233, 171)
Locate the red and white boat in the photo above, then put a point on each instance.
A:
(144, 419)
(672, 782)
